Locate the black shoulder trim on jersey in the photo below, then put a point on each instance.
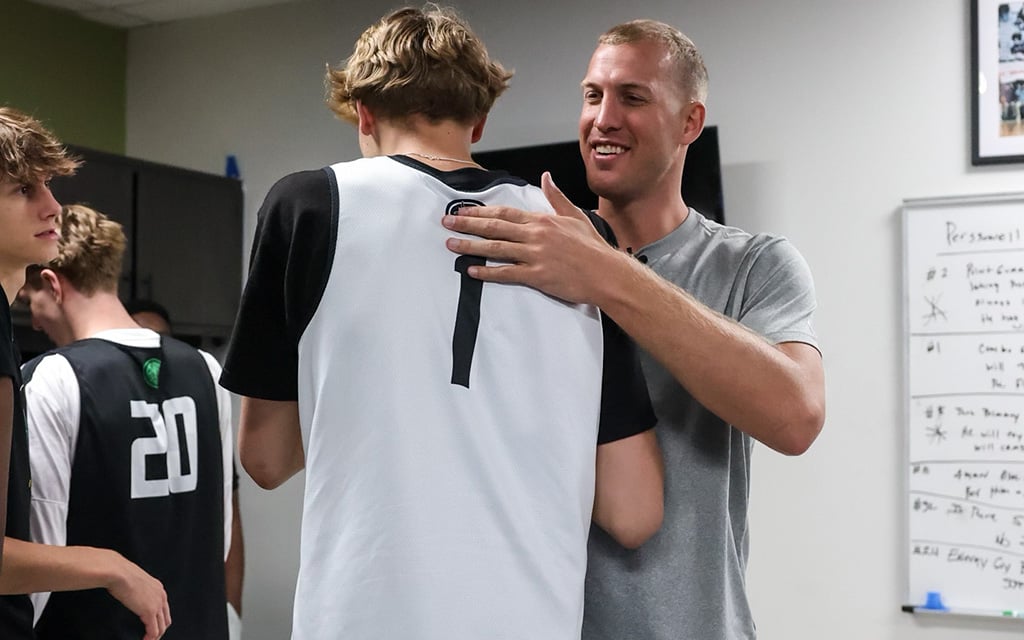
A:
(602, 226)
(626, 408)
(29, 368)
(176, 349)
(469, 179)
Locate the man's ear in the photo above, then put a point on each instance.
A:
(478, 130)
(694, 124)
(367, 121)
(53, 284)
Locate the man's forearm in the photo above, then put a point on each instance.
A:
(775, 394)
(270, 441)
(30, 568)
(35, 568)
(629, 498)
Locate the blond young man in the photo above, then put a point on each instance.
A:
(29, 156)
(130, 444)
(725, 319)
(457, 438)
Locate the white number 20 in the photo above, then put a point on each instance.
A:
(165, 442)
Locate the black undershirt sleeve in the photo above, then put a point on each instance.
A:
(625, 403)
(288, 269)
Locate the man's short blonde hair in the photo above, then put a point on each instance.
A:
(28, 151)
(691, 73)
(89, 250)
(418, 62)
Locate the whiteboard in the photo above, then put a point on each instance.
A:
(964, 340)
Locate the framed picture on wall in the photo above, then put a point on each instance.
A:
(997, 79)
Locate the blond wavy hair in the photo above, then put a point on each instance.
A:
(418, 62)
(90, 249)
(28, 151)
(691, 73)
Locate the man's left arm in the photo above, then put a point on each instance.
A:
(775, 393)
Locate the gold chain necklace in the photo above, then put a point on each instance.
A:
(442, 158)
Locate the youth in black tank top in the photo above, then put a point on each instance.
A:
(146, 481)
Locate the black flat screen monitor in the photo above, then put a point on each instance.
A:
(702, 175)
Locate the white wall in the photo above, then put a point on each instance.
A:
(830, 113)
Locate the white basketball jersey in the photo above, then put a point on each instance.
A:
(450, 426)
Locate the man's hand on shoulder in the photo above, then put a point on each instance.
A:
(560, 255)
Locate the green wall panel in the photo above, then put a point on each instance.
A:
(68, 72)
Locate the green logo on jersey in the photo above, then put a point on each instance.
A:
(151, 372)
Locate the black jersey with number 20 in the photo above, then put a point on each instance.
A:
(146, 481)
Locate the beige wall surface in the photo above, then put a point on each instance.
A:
(68, 72)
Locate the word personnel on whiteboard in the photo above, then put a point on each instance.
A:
(964, 313)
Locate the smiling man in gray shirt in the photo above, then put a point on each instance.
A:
(724, 318)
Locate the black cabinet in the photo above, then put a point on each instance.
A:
(184, 231)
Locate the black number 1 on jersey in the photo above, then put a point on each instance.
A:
(467, 318)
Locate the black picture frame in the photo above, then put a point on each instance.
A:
(997, 82)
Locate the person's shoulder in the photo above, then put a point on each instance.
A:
(303, 195)
(718, 231)
(299, 185)
(739, 240)
(31, 365)
(734, 250)
(48, 366)
(302, 179)
(211, 363)
(184, 354)
(181, 347)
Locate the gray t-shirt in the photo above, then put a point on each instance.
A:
(688, 581)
